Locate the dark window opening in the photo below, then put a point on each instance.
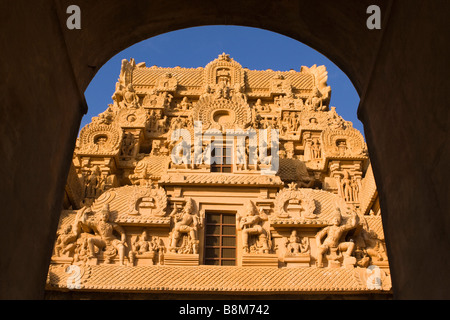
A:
(220, 239)
(223, 161)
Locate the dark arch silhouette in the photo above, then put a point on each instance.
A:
(398, 71)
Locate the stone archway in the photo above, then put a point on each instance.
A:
(399, 72)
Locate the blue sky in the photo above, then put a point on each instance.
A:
(253, 48)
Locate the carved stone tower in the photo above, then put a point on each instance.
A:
(191, 171)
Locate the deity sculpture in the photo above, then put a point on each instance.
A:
(197, 150)
(333, 235)
(128, 144)
(296, 245)
(104, 232)
(180, 151)
(355, 183)
(130, 98)
(186, 223)
(92, 183)
(342, 147)
(164, 99)
(185, 104)
(260, 107)
(140, 246)
(66, 242)
(293, 121)
(158, 246)
(316, 152)
(250, 225)
(152, 121)
(242, 159)
(374, 246)
(105, 117)
(348, 187)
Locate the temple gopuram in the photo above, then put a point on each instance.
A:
(220, 181)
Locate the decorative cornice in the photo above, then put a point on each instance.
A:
(222, 179)
(213, 279)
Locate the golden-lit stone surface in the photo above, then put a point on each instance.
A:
(137, 219)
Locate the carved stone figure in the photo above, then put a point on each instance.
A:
(335, 121)
(260, 107)
(130, 98)
(197, 151)
(180, 152)
(186, 223)
(328, 240)
(104, 232)
(164, 99)
(242, 156)
(66, 242)
(250, 224)
(159, 247)
(140, 246)
(316, 149)
(128, 144)
(355, 183)
(82, 255)
(106, 117)
(295, 244)
(349, 188)
(342, 147)
(93, 183)
(375, 247)
(185, 104)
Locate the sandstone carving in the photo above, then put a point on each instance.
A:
(296, 245)
(103, 238)
(220, 172)
(329, 240)
(255, 238)
(186, 225)
(295, 202)
(100, 139)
